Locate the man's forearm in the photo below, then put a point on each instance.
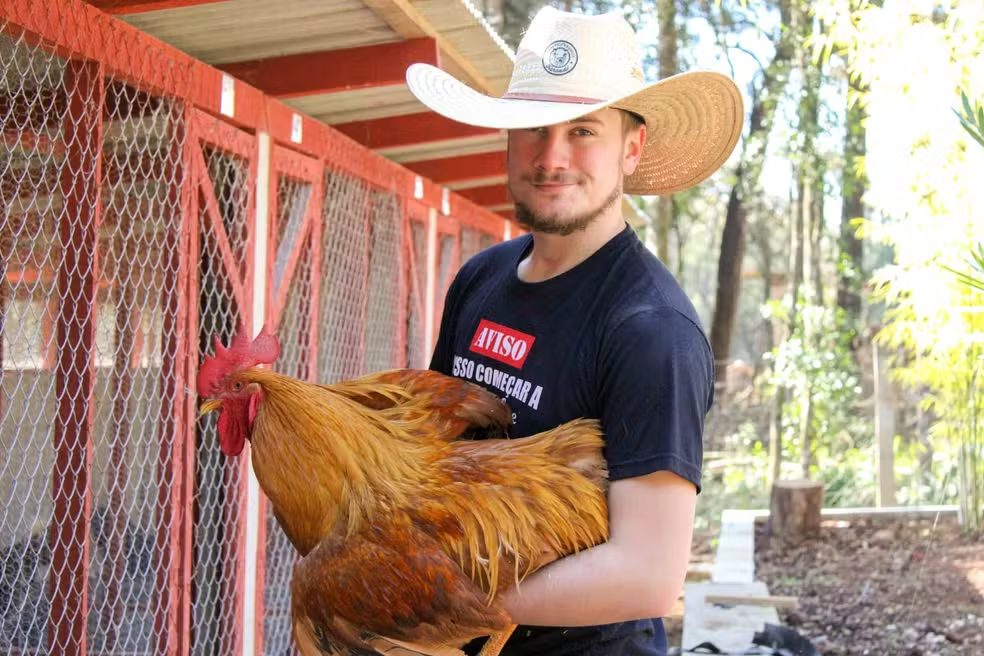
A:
(597, 586)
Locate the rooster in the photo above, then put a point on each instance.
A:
(407, 529)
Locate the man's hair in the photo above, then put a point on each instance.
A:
(630, 121)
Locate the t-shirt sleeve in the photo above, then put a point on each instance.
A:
(656, 386)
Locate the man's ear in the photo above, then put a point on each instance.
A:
(634, 142)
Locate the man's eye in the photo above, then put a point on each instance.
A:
(583, 132)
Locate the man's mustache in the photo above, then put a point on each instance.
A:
(542, 177)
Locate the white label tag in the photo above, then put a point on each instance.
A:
(418, 187)
(228, 100)
(445, 201)
(296, 128)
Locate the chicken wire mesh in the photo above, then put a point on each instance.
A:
(417, 274)
(384, 304)
(445, 270)
(293, 327)
(344, 271)
(471, 243)
(94, 229)
(89, 227)
(219, 480)
(138, 243)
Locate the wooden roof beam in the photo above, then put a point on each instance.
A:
(407, 21)
(425, 127)
(332, 71)
(117, 7)
(491, 196)
(461, 169)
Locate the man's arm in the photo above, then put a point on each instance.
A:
(638, 573)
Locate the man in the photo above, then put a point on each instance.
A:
(578, 319)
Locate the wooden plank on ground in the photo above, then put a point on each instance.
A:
(734, 560)
(773, 601)
(729, 628)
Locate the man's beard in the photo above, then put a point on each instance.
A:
(557, 225)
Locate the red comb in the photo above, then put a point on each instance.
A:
(242, 353)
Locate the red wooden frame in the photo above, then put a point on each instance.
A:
(284, 162)
(489, 196)
(290, 164)
(77, 284)
(459, 169)
(207, 130)
(172, 626)
(100, 50)
(331, 71)
(409, 129)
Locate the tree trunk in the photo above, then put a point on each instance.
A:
(666, 10)
(746, 179)
(728, 283)
(886, 405)
(806, 431)
(794, 510)
(796, 259)
(816, 236)
(850, 266)
(809, 218)
(775, 434)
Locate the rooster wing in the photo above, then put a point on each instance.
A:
(460, 410)
(388, 589)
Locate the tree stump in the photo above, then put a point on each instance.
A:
(794, 510)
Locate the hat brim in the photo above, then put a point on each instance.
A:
(693, 121)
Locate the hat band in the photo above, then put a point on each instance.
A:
(550, 97)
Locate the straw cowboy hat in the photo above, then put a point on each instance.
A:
(569, 65)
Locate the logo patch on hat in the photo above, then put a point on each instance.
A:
(559, 58)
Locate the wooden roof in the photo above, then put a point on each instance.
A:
(342, 62)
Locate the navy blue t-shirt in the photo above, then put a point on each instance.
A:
(615, 338)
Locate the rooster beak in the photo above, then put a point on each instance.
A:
(209, 406)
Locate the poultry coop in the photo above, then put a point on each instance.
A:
(151, 200)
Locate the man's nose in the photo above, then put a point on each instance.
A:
(553, 152)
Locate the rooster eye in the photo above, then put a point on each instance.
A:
(237, 386)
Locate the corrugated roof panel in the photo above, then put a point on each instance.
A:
(253, 29)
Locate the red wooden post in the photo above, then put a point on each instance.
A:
(5, 248)
(171, 618)
(316, 205)
(367, 218)
(189, 359)
(403, 295)
(237, 514)
(77, 285)
(273, 229)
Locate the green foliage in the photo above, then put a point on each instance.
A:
(976, 279)
(816, 361)
(927, 210)
(848, 477)
(972, 118)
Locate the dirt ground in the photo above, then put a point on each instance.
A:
(882, 587)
